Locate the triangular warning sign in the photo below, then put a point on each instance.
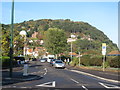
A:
(48, 84)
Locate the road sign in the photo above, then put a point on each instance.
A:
(103, 52)
(103, 48)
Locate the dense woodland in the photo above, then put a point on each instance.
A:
(89, 38)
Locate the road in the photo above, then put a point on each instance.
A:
(61, 78)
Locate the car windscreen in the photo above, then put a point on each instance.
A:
(51, 58)
(58, 62)
(54, 59)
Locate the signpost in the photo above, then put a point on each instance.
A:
(104, 54)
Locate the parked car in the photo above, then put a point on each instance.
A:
(34, 59)
(52, 61)
(59, 64)
(43, 60)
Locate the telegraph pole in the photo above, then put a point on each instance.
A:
(11, 38)
(79, 58)
(71, 50)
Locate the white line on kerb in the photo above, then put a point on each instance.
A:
(84, 87)
(74, 80)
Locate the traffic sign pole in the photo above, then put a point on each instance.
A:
(104, 54)
(103, 62)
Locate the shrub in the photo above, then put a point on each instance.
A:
(90, 60)
(6, 61)
(85, 60)
(114, 61)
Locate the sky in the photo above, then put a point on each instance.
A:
(102, 15)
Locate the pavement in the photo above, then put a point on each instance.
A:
(17, 76)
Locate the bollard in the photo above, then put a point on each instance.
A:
(25, 72)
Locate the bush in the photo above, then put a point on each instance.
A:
(114, 61)
(90, 60)
(85, 60)
(96, 61)
(6, 61)
(75, 61)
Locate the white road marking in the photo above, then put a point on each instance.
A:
(110, 80)
(84, 87)
(109, 86)
(46, 84)
(74, 81)
(45, 71)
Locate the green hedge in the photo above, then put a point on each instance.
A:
(114, 61)
(92, 60)
(6, 61)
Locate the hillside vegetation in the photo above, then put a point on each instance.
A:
(89, 38)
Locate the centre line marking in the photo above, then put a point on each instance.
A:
(84, 87)
(74, 80)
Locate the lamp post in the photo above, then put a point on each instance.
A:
(72, 36)
(11, 38)
(23, 34)
(71, 50)
(79, 58)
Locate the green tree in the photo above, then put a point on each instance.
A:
(55, 41)
(5, 40)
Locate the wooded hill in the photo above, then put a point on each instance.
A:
(89, 38)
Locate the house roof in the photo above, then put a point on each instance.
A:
(30, 50)
(114, 53)
(73, 53)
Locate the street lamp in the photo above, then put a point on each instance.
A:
(79, 58)
(72, 36)
(23, 34)
(11, 38)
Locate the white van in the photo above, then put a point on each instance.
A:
(49, 57)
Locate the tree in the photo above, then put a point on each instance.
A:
(55, 41)
(5, 40)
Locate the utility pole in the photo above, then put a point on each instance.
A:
(79, 58)
(11, 38)
(71, 50)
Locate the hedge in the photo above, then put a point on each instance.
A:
(90, 60)
(6, 61)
